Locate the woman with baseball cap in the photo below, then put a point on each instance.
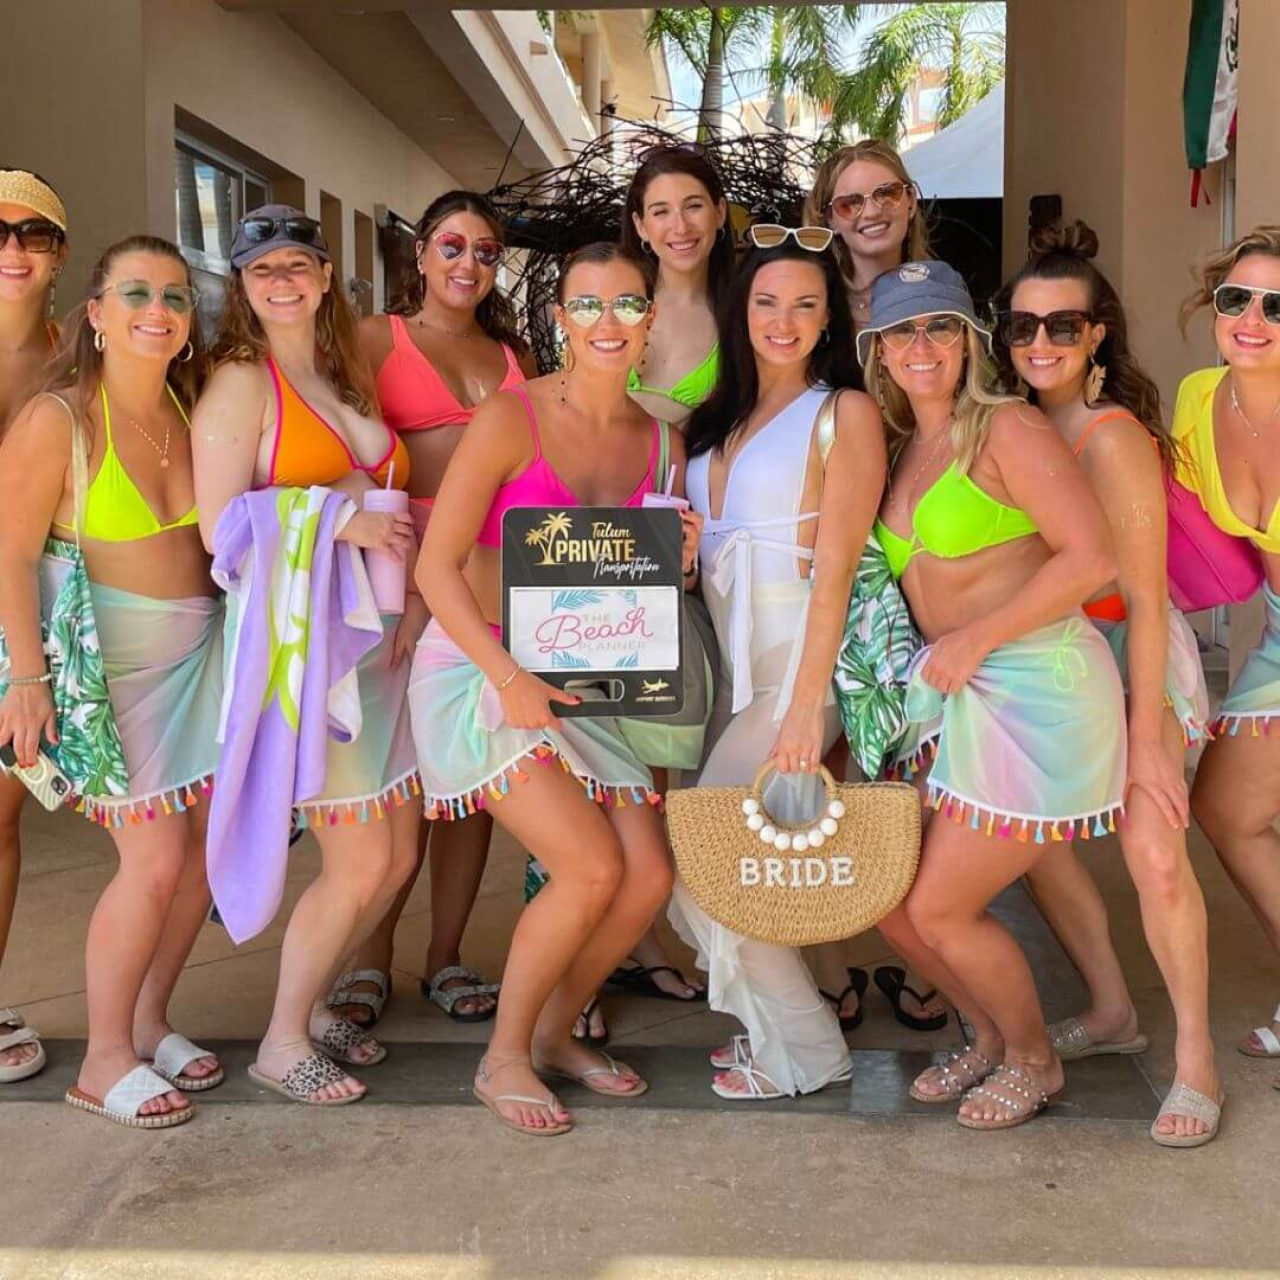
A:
(1015, 704)
(290, 405)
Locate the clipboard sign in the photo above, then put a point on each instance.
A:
(592, 603)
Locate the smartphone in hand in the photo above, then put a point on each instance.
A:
(44, 779)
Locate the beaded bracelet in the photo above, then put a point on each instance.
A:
(44, 679)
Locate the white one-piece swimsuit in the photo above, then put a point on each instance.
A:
(759, 602)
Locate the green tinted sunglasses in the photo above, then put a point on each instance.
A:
(137, 294)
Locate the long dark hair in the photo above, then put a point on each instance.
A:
(76, 364)
(495, 315)
(831, 362)
(1065, 251)
(691, 162)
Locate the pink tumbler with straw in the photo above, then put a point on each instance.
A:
(386, 571)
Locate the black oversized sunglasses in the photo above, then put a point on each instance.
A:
(1063, 328)
(34, 235)
(305, 231)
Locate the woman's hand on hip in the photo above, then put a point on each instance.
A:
(953, 659)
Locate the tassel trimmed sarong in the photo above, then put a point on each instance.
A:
(1034, 746)
(1184, 687)
(163, 661)
(1253, 700)
(469, 758)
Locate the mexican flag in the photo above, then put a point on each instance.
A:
(1209, 85)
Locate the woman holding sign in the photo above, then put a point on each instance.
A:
(781, 543)
(572, 792)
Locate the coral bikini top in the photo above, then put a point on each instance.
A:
(414, 396)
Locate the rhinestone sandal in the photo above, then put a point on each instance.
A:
(1182, 1100)
(959, 1072)
(1071, 1042)
(1020, 1096)
(305, 1078)
(343, 997)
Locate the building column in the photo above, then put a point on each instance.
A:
(591, 77)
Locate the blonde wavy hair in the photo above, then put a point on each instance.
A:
(978, 396)
(1263, 240)
(915, 248)
(241, 340)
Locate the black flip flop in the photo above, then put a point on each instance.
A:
(639, 981)
(893, 982)
(592, 1042)
(858, 985)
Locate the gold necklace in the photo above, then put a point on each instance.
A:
(146, 435)
(894, 500)
(1235, 404)
(423, 323)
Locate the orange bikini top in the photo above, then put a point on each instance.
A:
(308, 450)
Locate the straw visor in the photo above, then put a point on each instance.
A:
(913, 290)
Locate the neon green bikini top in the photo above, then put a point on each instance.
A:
(692, 389)
(955, 518)
(114, 508)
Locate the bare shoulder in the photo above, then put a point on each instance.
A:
(44, 423)
(1119, 446)
(241, 380)
(857, 412)
(376, 339)
(528, 365)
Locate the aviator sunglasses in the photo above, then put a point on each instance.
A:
(586, 309)
(888, 195)
(34, 235)
(942, 331)
(137, 294)
(1232, 301)
(451, 246)
(768, 235)
(305, 231)
(1063, 328)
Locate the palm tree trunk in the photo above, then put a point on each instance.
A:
(777, 114)
(711, 112)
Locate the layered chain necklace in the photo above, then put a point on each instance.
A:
(896, 498)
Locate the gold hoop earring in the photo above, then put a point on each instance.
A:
(99, 340)
(1095, 382)
(187, 352)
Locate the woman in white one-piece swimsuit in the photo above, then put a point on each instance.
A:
(782, 540)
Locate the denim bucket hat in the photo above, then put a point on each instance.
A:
(913, 290)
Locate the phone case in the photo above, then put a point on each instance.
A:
(45, 781)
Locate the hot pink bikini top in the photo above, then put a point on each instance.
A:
(538, 486)
(414, 396)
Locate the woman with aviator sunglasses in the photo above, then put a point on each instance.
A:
(484, 725)
(1227, 425)
(1015, 703)
(1063, 332)
(449, 343)
(33, 247)
(99, 463)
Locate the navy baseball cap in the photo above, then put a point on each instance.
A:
(913, 290)
(276, 226)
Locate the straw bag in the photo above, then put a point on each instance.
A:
(795, 885)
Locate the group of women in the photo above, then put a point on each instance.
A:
(1013, 476)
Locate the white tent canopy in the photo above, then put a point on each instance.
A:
(966, 159)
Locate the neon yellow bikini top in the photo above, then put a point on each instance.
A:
(114, 508)
(955, 518)
(692, 389)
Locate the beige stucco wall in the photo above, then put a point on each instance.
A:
(253, 78)
(1097, 118)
